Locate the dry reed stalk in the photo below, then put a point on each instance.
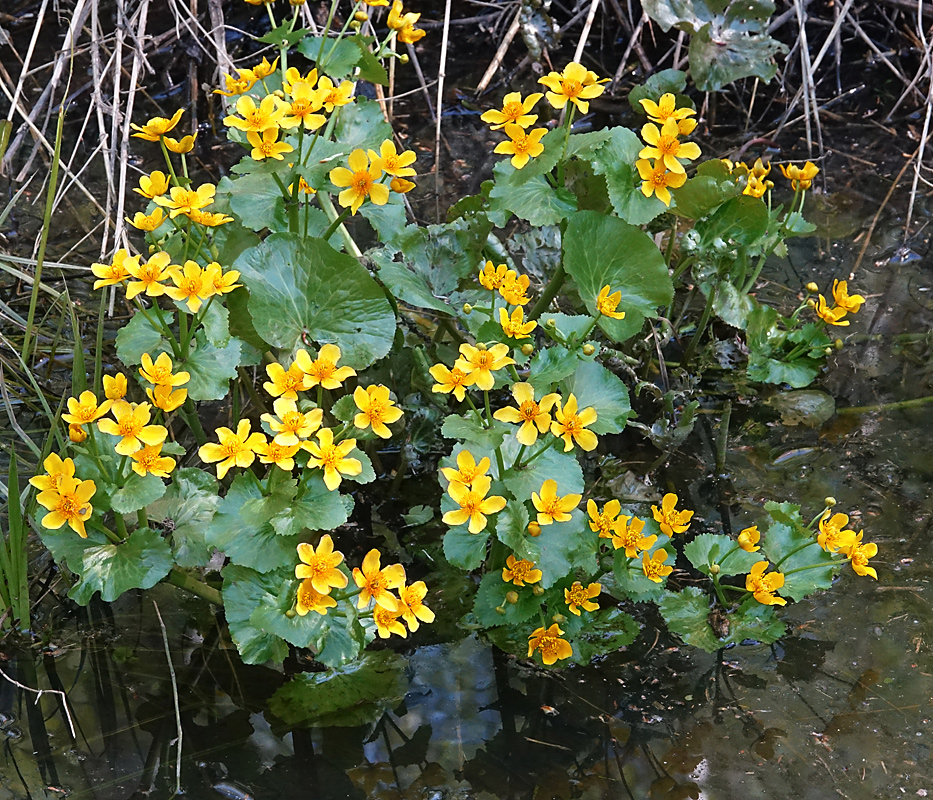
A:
(497, 59)
(925, 135)
(585, 33)
(441, 75)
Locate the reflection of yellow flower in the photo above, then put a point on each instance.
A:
(665, 109)
(132, 427)
(411, 604)
(376, 410)
(521, 146)
(481, 363)
(606, 303)
(515, 111)
(515, 326)
(468, 470)
(832, 536)
(376, 582)
(84, 409)
(800, 177)
(549, 644)
(234, 449)
(749, 538)
(451, 380)
(56, 468)
(323, 371)
(533, 416)
(68, 503)
(575, 84)
(859, 554)
(332, 458)
(474, 505)
(256, 118)
(764, 586)
(626, 534)
(284, 383)
(159, 371)
(267, 145)
(579, 596)
(191, 285)
(654, 568)
(156, 127)
(150, 460)
(387, 623)
(551, 506)
(851, 303)
(669, 518)
(393, 162)
(153, 185)
(572, 427)
(520, 571)
(309, 599)
(319, 565)
(664, 145)
(361, 181)
(656, 180)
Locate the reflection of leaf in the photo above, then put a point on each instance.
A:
(605, 631)
(356, 694)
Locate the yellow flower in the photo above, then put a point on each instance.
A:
(654, 568)
(655, 180)
(361, 181)
(160, 371)
(267, 145)
(549, 644)
(68, 503)
(759, 169)
(303, 108)
(749, 538)
(579, 596)
(153, 185)
(165, 398)
(533, 416)
(842, 298)
(451, 380)
(331, 96)
(293, 77)
(256, 118)
(575, 83)
(221, 282)
(309, 599)
(243, 82)
(132, 427)
(606, 303)
(57, 469)
(149, 276)
(665, 109)
(521, 146)
(410, 34)
(84, 409)
(376, 410)
(800, 177)
(480, 364)
(207, 218)
(76, 433)
(184, 201)
(191, 285)
(520, 571)
(474, 505)
(284, 383)
(401, 185)
(183, 145)
(283, 456)
(396, 20)
(147, 222)
(833, 316)
(552, 507)
(234, 450)
(303, 187)
(289, 425)
(514, 288)
(515, 326)
(156, 127)
(411, 604)
(756, 187)
(332, 458)
(515, 111)
(764, 586)
(323, 370)
(387, 623)
(393, 162)
(832, 536)
(115, 272)
(264, 69)
(601, 522)
(150, 460)
(664, 145)
(669, 518)
(319, 565)
(376, 582)
(492, 277)
(627, 535)
(467, 469)
(859, 554)
(572, 427)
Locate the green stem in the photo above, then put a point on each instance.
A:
(142, 519)
(729, 553)
(814, 566)
(518, 458)
(916, 402)
(347, 595)
(183, 580)
(794, 552)
(335, 224)
(549, 293)
(121, 526)
(540, 452)
(718, 588)
(325, 31)
(190, 415)
(701, 327)
(488, 422)
(343, 30)
(563, 155)
(473, 407)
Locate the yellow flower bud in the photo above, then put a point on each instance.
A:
(559, 619)
(811, 303)
(812, 287)
(588, 349)
(481, 346)
(355, 24)
(76, 433)
(362, 16)
(838, 344)
(534, 529)
(467, 309)
(714, 569)
(290, 613)
(828, 351)
(550, 323)
(500, 609)
(512, 597)
(403, 58)
(527, 349)
(537, 591)
(829, 502)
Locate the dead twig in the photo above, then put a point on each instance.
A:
(39, 693)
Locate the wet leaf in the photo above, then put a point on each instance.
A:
(710, 548)
(138, 492)
(788, 546)
(243, 589)
(563, 547)
(731, 305)
(809, 407)
(616, 161)
(720, 54)
(535, 200)
(317, 508)
(361, 125)
(491, 595)
(595, 386)
(464, 549)
(189, 503)
(797, 374)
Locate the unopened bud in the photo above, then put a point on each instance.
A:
(362, 16)
(481, 345)
(403, 58)
(512, 597)
(559, 619)
(828, 351)
(500, 609)
(829, 502)
(812, 287)
(290, 613)
(550, 323)
(355, 24)
(467, 309)
(838, 344)
(714, 569)
(527, 349)
(811, 303)
(588, 349)
(537, 591)
(152, 248)
(534, 529)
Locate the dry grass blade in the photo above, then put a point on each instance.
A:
(441, 74)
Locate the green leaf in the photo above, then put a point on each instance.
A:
(317, 508)
(585, 145)
(361, 125)
(138, 337)
(345, 408)
(211, 367)
(701, 194)
(339, 58)
(797, 374)
(628, 581)
(356, 694)
(256, 200)
(249, 541)
(553, 142)
(594, 385)
(241, 322)
(491, 595)
(302, 286)
(112, 569)
(283, 33)
(732, 306)
(138, 492)
(512, 531)
(387, 220)
(242, 591)
(189, 502)
(554, 464)
(464, 549)
(720, 54)
(785, 535)
(809, 407)
(535, 200)
(567, 327)
(616, 161)
(550, 366)
(216, 322)
(709, 548)
(672, 81)
(600, 251)
(368, 475)
(742, 219)
(371, 68)
(471, 430)
(563, 547)
(605, 631)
